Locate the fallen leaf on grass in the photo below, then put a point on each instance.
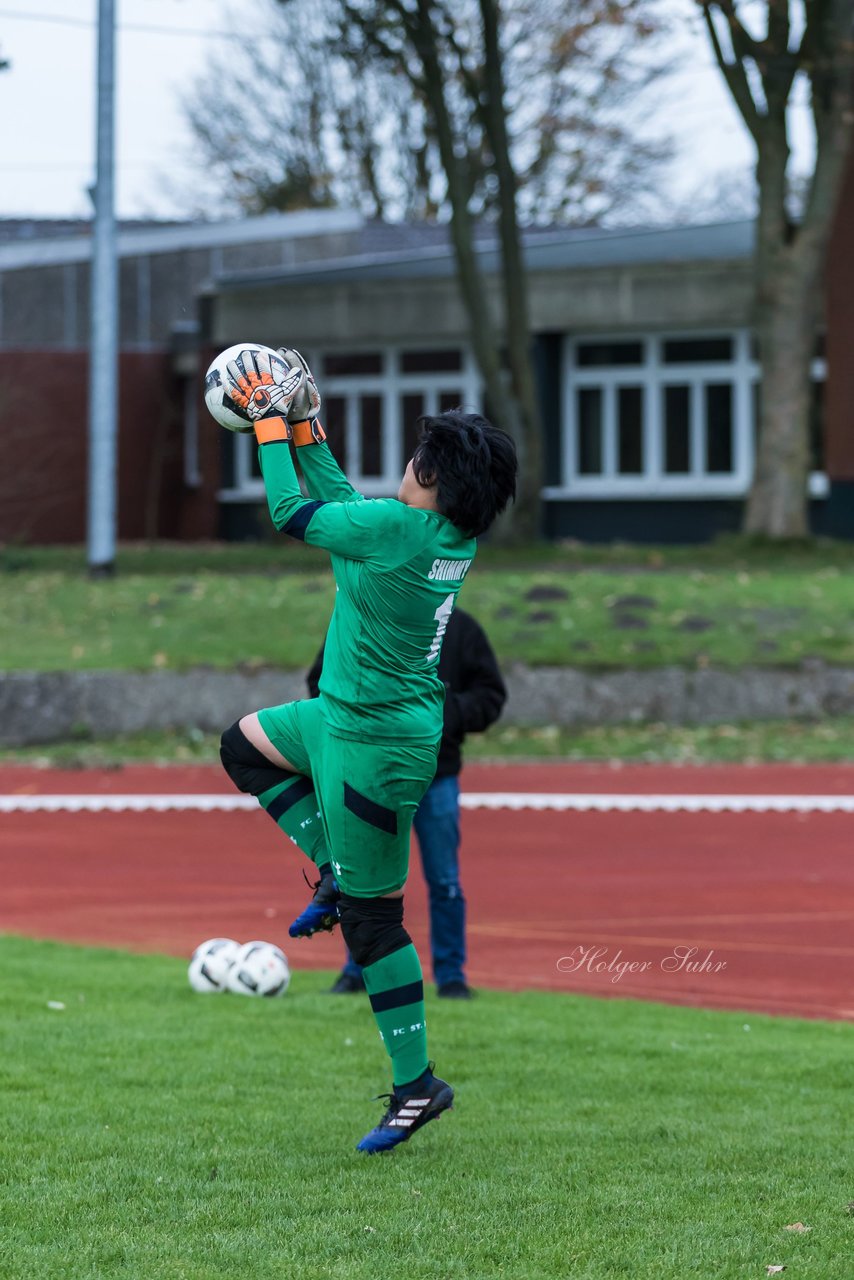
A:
(797, 1226)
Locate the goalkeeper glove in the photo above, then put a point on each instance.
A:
(265, 389)
(306, 403)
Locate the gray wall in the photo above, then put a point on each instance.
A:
(48, 306)
(337, 312)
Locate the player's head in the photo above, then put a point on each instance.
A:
(467, 464)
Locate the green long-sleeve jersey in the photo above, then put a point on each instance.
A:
(398, 570)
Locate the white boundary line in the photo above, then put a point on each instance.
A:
(557, 801)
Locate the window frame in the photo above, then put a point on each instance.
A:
(742, 372)
(653, 375)
(818, 483)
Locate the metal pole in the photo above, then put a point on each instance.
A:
(103, 353)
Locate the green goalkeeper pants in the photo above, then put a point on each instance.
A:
(367, 794)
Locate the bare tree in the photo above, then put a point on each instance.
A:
(762, 71)
(428, 45)
(454, 57)
(289, 120)
(402, 108)
(256, 118)
(282, 123)
(576, 77)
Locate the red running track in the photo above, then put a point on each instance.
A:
(781, 779)
(557, 901)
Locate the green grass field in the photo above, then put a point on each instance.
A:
(264, 605)
(273, 554)
(829, 741)
(152, 1133)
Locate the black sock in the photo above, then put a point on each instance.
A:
(414, 1086)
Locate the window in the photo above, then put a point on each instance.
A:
(333, 415)
(372, 401)
(696, 350)
(718, 424)
(677, 429)
(590, 431)
(657, 415)
(667, 415)
(431, 361)
(630, 431)
(411, 409)
(602, 355)
(359, 362)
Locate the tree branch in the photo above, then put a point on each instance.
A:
(734, 73)
(778, 65)
(372, 33)
(472, 84)
(743, 44)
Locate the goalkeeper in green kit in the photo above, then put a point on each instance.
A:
(343, 774)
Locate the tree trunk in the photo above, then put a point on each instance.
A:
(777, 506)
(790, 255)
(785, 316)
(790, 262)
(503, 408)
(527, 522)
(512, 400)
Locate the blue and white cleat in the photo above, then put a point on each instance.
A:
(406, 1114)
(322, 913)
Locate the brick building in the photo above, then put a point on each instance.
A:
(643, 344)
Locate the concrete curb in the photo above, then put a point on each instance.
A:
(38, 707)
(675, 695)
(56, 706)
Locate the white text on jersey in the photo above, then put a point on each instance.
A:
(449, 570)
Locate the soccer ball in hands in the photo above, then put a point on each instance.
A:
(211, 963)
(219, 402)
(259, 969)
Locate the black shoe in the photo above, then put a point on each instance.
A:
(406, 1114)
(347, 984)
(455, 991)
(321, 914)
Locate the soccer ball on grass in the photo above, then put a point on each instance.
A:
(211, 963)
(259, 969)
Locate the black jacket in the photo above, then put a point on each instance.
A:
(474, 689)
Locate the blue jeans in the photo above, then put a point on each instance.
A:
(437, 826)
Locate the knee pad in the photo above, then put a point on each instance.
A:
(372, 927)
(248, 768)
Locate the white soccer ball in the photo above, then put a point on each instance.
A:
(260, 969)
(211, 963)
(219, 403)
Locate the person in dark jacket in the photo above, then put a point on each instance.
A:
(474, 696)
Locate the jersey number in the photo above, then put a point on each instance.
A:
(442, 616)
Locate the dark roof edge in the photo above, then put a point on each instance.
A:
(438, 253)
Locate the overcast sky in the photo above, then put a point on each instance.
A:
(47, 103)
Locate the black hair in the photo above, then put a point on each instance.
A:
(472, 464)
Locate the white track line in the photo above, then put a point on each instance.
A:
(561, 802)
